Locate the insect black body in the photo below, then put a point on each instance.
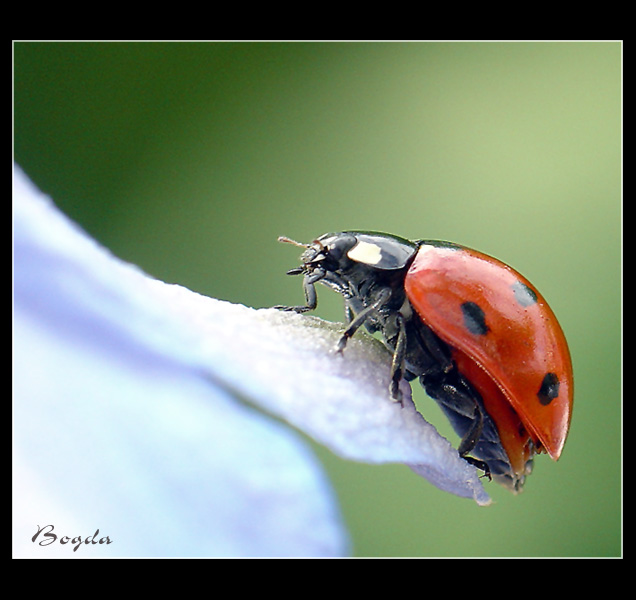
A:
(368, 269)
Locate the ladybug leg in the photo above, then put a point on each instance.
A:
(361, 317)
(397, 364)
(456, 395)
(399, 354)
(471, 437)
(437, 349)
(348, 313)
(479, 464)
(311, 298)
(463, 404)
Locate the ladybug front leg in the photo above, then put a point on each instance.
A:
(309, 288)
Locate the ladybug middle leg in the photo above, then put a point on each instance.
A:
(355, 322)
(393, 327)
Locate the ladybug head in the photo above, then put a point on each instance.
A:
(328, 252)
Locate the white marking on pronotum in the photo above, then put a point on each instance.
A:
(368, 254)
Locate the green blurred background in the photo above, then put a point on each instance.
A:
(189, 159)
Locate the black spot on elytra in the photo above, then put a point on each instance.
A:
(549, 389)
(474, 319)
(524, 295)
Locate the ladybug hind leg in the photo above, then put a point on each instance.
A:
(479, 464)
(457, 398)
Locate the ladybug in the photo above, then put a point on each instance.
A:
(480, 337)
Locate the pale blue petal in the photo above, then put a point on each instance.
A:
(145, 409)
(115, 431)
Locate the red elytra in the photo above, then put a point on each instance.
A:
(506, 341)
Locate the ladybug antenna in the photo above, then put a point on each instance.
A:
(287, 240)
